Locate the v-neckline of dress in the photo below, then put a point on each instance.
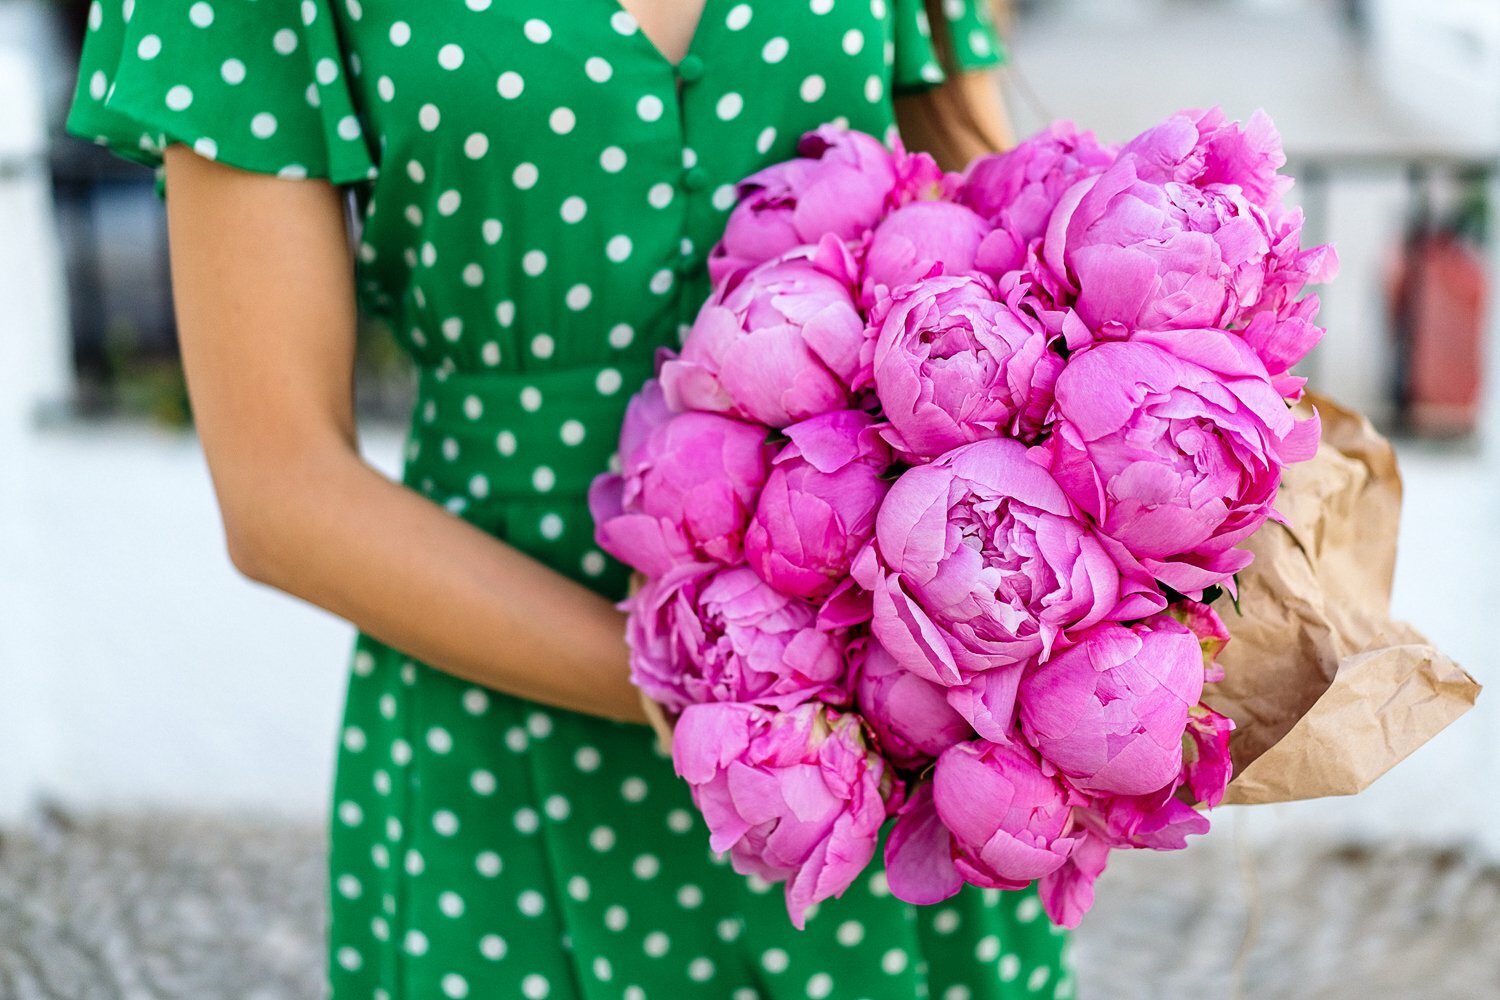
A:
(694, 40)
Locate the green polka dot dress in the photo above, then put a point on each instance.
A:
(537, 187)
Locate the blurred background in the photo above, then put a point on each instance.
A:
(167, 728)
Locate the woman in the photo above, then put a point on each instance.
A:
(537, 185)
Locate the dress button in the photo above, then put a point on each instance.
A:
(695, 179)
(690, 69)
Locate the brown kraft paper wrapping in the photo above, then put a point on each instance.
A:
(1327, 692)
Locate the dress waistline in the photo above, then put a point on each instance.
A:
(509, 434)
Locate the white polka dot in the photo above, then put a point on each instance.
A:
(525, 176)
(284, 41)
(661, 282)
(766, 138)
(728, 929)
(451, 904)
(988, 948)
(774, 960)
(492, 947)
(957, 992)
(623, 22)
(415, 942)
(1028, 909)
(510, 84)
(573, 209)
(593, 562)
(850, 933)
(645, 867)
(649, 108)
(527, 820)
(445, 822)
(476, 146)
(491, 230)
(534, 262)
(354, 739)
(597, 69)
(946, 921)
(488, 864)
(557, 807)
(775, 50)
(542, 345)
(505, 313)
(543, 479)
(601, 838)
(853, 41)
(149, 47)
(612, 159)
(821, 7)
(537, 30)
(451, 56)
(428, 116)
(448, 202)
(874, 88)
(657, 944)
(505, 443)
(729, 106)
(894, 961)
(812, 88)
(455, 986)
(608, 381)
(660, 195)
(878, 885)
(349, 887)
(551, 526)
(531, 903)
(349, 128)
(724, 197)
(571, 433)
(483, 782)
(401, 753)
(620, 335)
(701, 970)
(415, 864)
(179, 97)
(679, 821)
(690, 897)
(400, 33)
(350, 959)
(263, 125)
(386, 88)
(201, 14)
(587, 759)
(819, 986)
(578, 297)
(535, 986)
(1038, 978)
(562, 120)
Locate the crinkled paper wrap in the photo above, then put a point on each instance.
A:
(1327, 691)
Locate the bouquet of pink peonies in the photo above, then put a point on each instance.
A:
(933, 507)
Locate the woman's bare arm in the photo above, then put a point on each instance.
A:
(263, 282)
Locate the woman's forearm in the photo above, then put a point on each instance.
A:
(333, 531)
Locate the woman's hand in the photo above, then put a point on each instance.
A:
(262, 274)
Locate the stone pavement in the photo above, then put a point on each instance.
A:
(140, 908)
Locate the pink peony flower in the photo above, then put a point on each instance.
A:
(977, 566)
(1208, 767)
(1212, 634)
(1185, 230)
(1017, 190)
(796, 796)
(777, 345)
(1173, 444)
(1110, 711)
(1068, 893)
(841, 184)
(687, 486)
(1008, 818)
(818, 505)
(952, 365)
(700, 633)
(910, 716)
(912, 239)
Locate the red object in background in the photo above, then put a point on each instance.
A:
(1439, 293)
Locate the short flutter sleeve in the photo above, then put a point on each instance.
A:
(969, 41)
(257, 84)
